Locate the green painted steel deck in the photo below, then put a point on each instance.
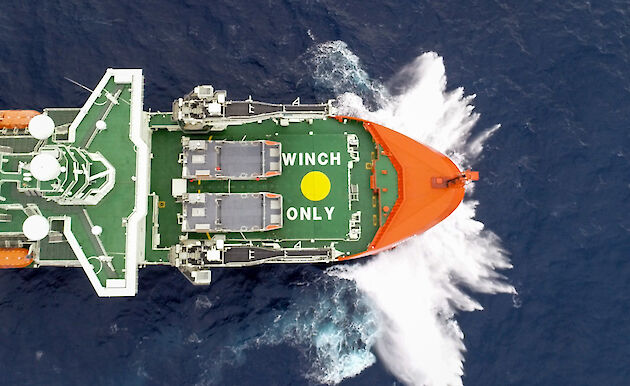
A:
(325, 136)
(115, 145)
(138, 222)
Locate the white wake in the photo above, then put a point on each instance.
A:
(417, 289)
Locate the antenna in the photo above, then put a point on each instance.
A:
(78, 84)
(108, 95)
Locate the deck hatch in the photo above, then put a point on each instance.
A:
(230, 160)
(231, 212)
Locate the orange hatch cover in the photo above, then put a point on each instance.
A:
(16, 119)
(421, 203)
(14, 258)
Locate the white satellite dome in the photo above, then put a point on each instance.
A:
(41, 126)
(45, 167)
(97, 230)
(35, 227)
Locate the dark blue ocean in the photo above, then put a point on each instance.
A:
(553, 198)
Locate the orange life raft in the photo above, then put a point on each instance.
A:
(14, 258)
(16, 119)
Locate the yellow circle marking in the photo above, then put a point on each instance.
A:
(315, 186)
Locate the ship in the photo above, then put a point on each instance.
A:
(214, 183)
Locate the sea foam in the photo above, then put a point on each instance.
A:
(417, 289)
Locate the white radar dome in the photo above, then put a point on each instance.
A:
(41, 126)
(45, 167)
(35, 227)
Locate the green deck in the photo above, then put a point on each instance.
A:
(115, 145)
(327, 136)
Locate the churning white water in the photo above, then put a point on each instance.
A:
(417, 289)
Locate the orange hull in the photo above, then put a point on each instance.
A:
(421, 203)
(16, 119)
(14, 258)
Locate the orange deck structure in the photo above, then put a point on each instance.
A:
(420, 204)
(16, 119)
